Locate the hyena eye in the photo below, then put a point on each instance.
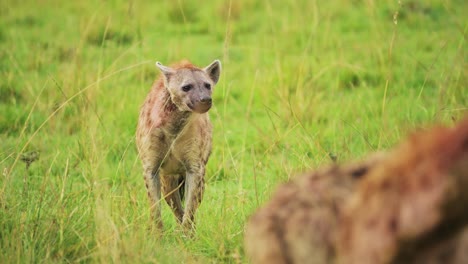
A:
(187, 87)
(208, 86)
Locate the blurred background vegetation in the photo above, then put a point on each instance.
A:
(304, 83)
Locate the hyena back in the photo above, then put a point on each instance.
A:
(174, 138)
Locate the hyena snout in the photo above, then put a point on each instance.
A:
(206, 100)
(202, 105)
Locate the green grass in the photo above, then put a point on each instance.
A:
(303, 81)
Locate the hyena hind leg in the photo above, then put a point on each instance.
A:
(171, 186)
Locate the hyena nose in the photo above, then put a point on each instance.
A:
(206, 100)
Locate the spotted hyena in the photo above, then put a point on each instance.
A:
(174, 138)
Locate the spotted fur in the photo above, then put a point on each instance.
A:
(174, 138)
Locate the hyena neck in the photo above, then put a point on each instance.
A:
(176, 119)
(169, 108)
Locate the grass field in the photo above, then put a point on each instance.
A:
(304, 82)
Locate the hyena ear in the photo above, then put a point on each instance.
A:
(166, 71)
(213, 70)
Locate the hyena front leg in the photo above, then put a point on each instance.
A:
(194, 187)
(171, 192)
(153, 186)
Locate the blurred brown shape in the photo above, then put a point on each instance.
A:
(407, 206)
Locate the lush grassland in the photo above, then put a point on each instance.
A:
(303, 82)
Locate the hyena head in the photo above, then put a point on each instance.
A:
(190, 88)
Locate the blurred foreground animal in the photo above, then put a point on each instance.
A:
(174, 138)
(407, 206)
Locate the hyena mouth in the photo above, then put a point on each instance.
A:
(200, 107)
